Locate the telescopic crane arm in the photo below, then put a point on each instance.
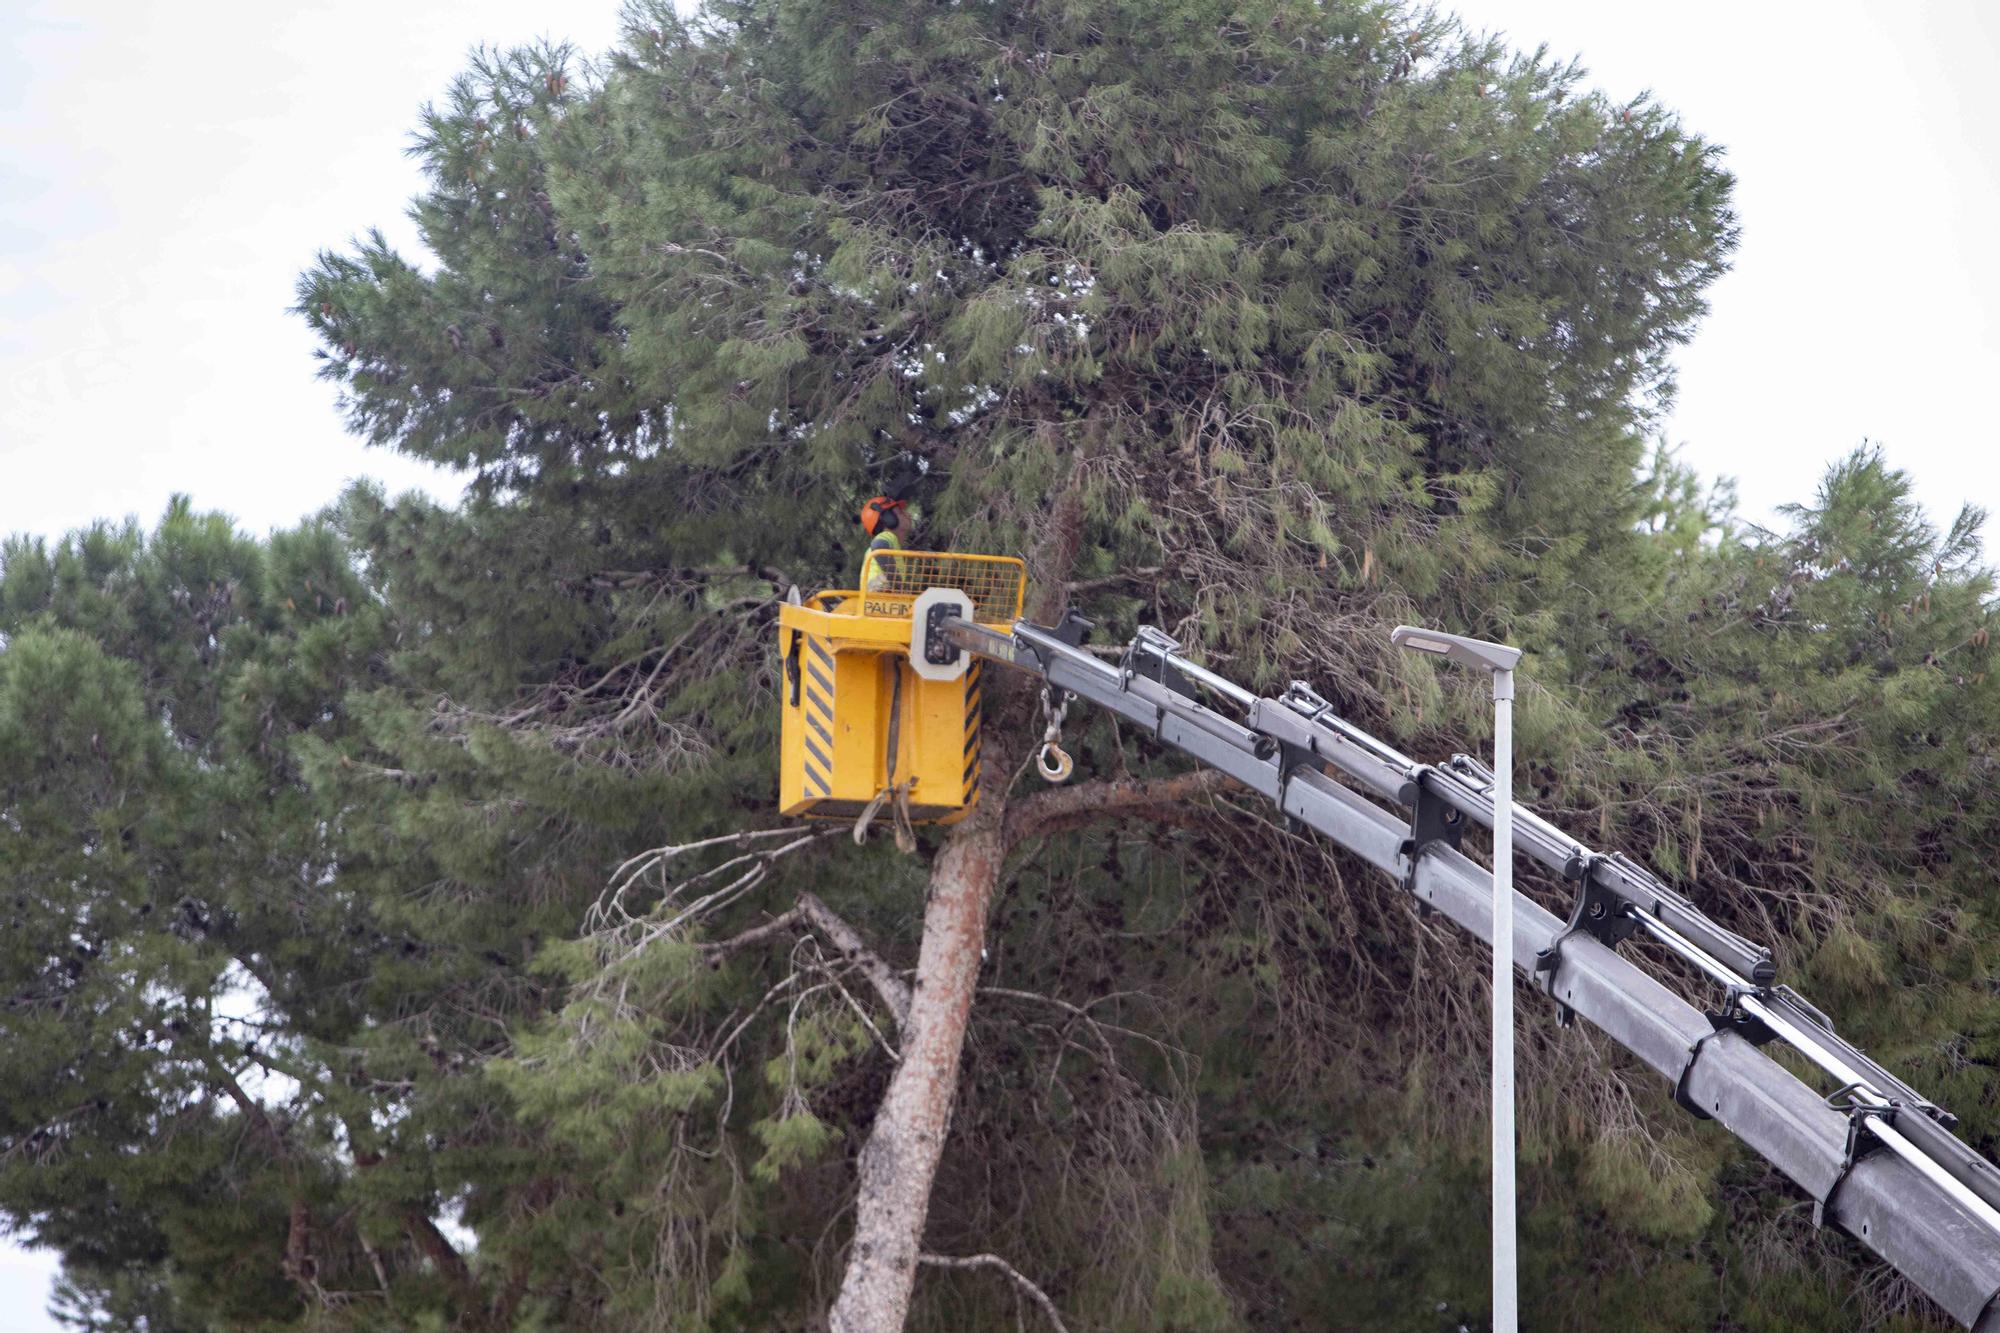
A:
(1878, 1159)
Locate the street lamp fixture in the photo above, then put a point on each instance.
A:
(1495, 657)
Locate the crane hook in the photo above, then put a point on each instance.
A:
(1054, 762)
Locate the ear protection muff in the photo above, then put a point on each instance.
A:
(881, 513)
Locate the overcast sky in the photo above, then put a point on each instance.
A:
(167, 170)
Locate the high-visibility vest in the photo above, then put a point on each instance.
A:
(882, 541)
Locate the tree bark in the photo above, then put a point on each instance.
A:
(901, 1156)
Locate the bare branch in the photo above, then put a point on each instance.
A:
(1034, 1293)
(634, 866)
(845, 939)
(750, 869)
(848, 941)
(717, 950)
(1082, 1013)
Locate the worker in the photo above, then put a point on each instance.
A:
(886, 522)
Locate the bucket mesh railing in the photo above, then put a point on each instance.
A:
(891, 580)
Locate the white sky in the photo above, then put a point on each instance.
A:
(1862, 303)
(167, 170)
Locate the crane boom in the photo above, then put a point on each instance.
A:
(1878, 1159)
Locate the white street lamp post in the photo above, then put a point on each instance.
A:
(1499, 660)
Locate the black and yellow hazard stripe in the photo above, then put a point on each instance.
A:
(971, 733)
(819, 719)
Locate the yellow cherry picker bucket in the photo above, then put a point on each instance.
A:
(865, 721)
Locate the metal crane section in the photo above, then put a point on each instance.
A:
(882, 705)
(1878, 1159)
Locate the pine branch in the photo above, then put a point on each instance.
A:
(1069, 807)
(1147, 574)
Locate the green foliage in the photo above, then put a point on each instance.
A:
(788, 1140)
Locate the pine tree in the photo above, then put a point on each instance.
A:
(184, 944)
(1323, 307)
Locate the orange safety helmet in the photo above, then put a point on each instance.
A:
(881, 512)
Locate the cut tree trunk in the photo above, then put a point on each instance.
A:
(900, 1158)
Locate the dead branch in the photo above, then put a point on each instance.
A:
(653, 858)
(611, 918)
(845, 939)
(894, 993)
(1034, 1293)
(716, 951)
(1081, 1012)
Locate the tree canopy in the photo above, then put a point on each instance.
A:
(402, 932)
